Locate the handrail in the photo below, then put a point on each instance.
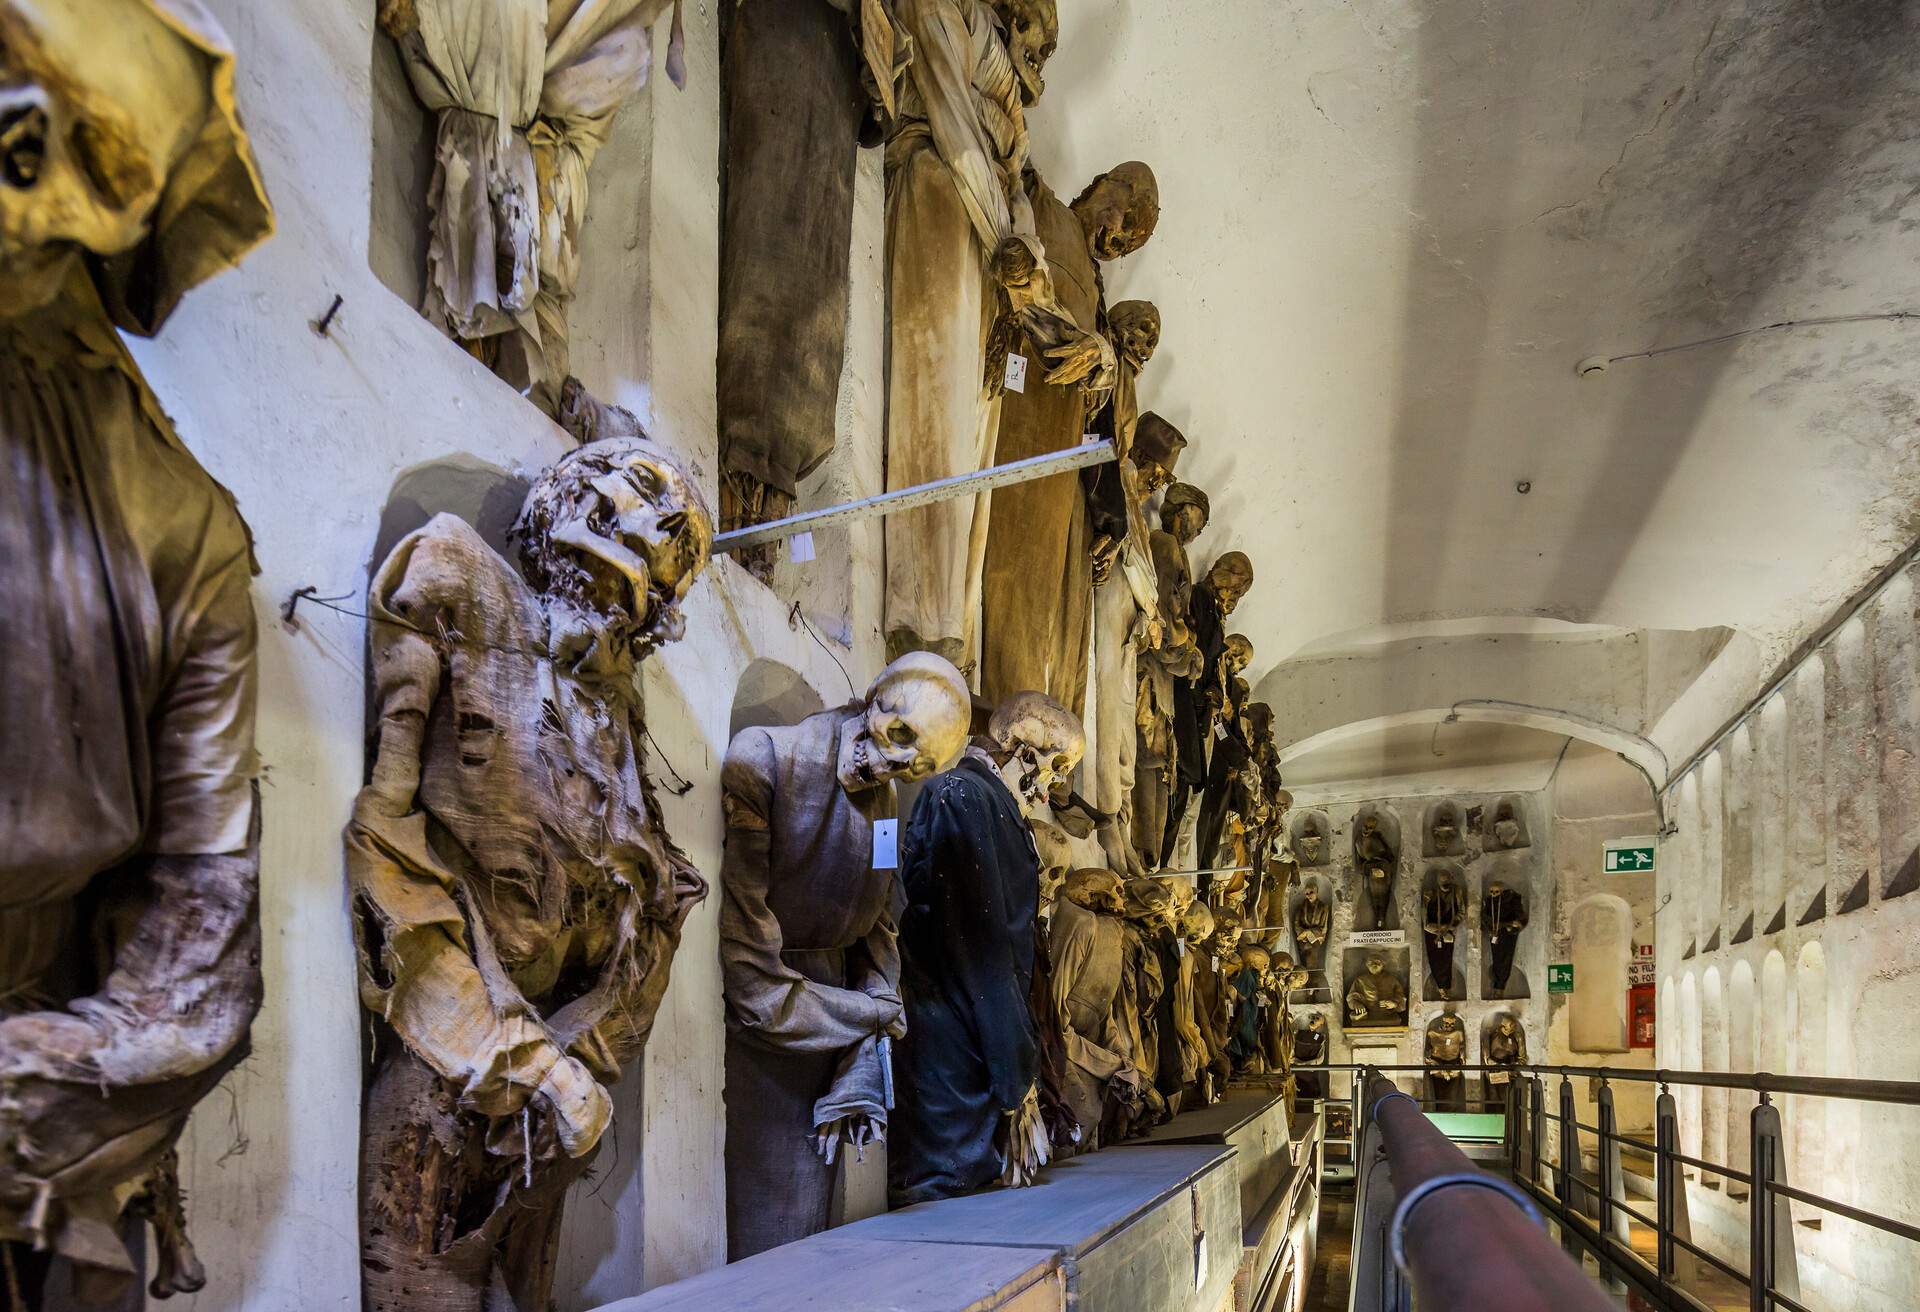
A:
(1900, 1092)
(1481, 1250)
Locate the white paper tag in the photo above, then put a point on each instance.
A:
(800, 548)
(1016, 373)
(1089, 439)
(1220, 730)
(1179, 947)
(1216, 965)
(886, 844)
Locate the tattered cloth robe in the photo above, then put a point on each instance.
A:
(1038, 593)
(799, 85)
(1244, 1044)
(1212, 1012)
(1192, 718)
(811, 967)
(129, 858)
(954, 194)
(517, 904)
(1125, 608)
(971, 1054)
(526, 91)
(1141, 988)
(1087, 952)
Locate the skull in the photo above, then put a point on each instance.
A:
(1136, 331)
(1229, 578)
(1119, 210)
(1196, 925)
(1150, 904)
(616, 529)
(1155, 453)
(1311, 841)
(915, 724)
(1097, 890)
(1238, 653)
(1506, 828)
(99, 101)
(1253, 957)
(1033, 32)
(1055, 847)
(1226, 933)
(1042, 737)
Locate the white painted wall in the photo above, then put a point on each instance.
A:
(311, 435)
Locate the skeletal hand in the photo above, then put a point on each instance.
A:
(856, 1131)
(1027, 1146)
(1106, 550)
(1013, 263)
(1082, 356)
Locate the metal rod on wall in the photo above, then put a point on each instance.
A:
(924, 494)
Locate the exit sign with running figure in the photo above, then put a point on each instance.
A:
(1629, 856)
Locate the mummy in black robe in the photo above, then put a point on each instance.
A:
(971, 1055)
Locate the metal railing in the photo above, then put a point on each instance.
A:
(1598, 1214)
(1487, 1247)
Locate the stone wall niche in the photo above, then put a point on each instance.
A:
(1455, 988)
(1504, 825)
(1311, 839)
(1443, 830)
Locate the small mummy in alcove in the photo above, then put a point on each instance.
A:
(517, 900)
(1444, 907)
(1503, 914)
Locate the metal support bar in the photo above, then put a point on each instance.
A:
(1668, 1183)
(1607, 1158)
(1536, 1121)
(1566, 1170)
(1774, 1264)
(924, 494)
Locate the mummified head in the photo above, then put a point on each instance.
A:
(1150, 904)
(617, 529)
(1097, 890)
(1229, 577)
(1043, 736)
(1136, 330)
(1119, 210)
(1033, 33)
(99, 102)
(1238, 654)
(915, 724)
(1196, 923)
(1226, 932)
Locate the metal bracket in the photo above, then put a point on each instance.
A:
(1396, 1226)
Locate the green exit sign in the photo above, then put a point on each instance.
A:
(1629, 856)
(1560, 977)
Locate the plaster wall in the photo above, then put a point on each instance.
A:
(1783, 894)
(1527, 869)
(313, 434)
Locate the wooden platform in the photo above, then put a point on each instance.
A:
(1253, 1121)
(836, 1272)
(1156, 1228)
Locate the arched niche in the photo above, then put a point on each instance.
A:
(1713, 1057)
(1323, 888)
(1602, 947)
(1305, 825)
(1514, 873)
(1443, 830)
(1456, 990)
(1667, 1024)
(1387, 825)
(770, 693)
(486, 496)
(1807, 1055)
(1687, 1056)
(1497, 837)
(1742, 997)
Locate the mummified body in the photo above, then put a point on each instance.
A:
(129, 867)
(1039, 564)
(969, 1098)
(808, 944)
(806, 83)
(516, 898)
(961, 243)
(1087, 941)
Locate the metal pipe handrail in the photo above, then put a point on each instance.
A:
(1888, 1224)
(1902, 1092)
(1481, 1250)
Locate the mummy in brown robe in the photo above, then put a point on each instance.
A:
(1163, 669)
(961, 243)
(809, 941)
(1212, 1002)
(806, 83)
(1039, 569)
(129, 858)
(1086, 942)
(516, 899)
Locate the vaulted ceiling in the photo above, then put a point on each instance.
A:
(1390, 231)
